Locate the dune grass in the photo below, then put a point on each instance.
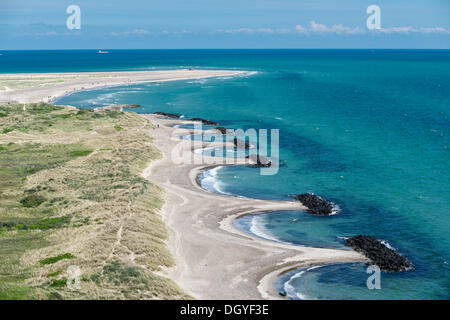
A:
(71, 194)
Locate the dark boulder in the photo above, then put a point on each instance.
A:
(224, 130)
(315, 204)
(168, 115)
(380, 254)
(259, 161)
(238, 143)
(204, 121)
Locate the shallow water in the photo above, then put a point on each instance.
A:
(296, 227)
(349, 281)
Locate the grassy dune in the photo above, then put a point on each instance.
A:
(71, 194)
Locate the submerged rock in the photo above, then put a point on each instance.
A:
(204, 121)
(379, 253)
(169, 115)
(259, 161)
(315, 204)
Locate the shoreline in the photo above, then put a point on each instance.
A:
(46, 87)
(214, 259)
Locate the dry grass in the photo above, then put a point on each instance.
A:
(80, 179)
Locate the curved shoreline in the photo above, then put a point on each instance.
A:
(215, 260)
(239, 265)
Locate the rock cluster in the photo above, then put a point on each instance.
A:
(259, 161)
(169, 115)
(204, 121)
(315, 204)
(224, 130)
(381, 255)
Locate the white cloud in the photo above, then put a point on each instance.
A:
(407, 30)
(339, 29)
(176, 32)
(133, 32)
(322, 28)
(312, 28)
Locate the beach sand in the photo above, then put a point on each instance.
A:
(214, 260)
(45, 87)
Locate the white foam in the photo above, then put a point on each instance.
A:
(210, 182)
(335, 209)
(203, 150)
(201, 81)
(258, 227)
(241, 75)
(100, 99)
(290, 289)
(387, 244)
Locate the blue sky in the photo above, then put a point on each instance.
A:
(41, 24)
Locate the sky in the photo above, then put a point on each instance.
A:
(179, 24)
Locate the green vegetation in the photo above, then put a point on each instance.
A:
(59, 206)
(57, 258)
(80, 153)
(53, 274)
(33, 224)
(50, 223)
(6, 130)
(59, 283)
(16, 293)
(32, 201)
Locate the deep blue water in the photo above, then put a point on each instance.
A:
(367, 129)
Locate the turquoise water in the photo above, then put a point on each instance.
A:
(296, 227)
(348, 281)
(368, 130)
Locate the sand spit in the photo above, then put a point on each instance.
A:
(214, 260)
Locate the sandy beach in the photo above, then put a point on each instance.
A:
(214, 260)
(45, 87)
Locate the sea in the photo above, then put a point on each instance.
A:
(368, 130)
